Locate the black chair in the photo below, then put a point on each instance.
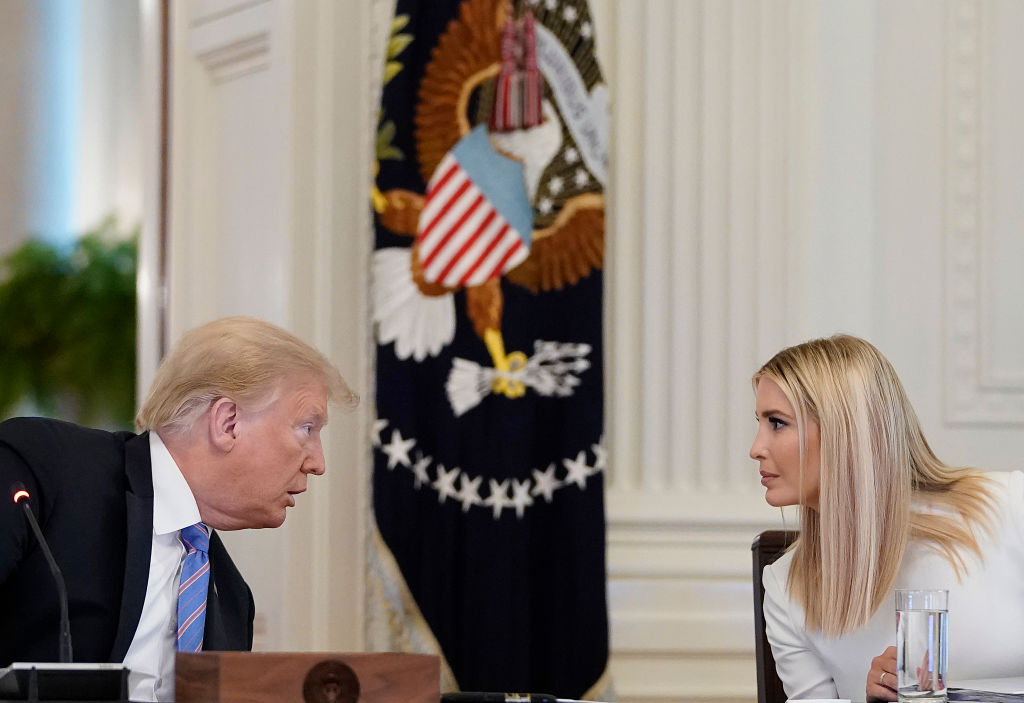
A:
(767, 547)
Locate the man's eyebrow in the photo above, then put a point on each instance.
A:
(313, 413)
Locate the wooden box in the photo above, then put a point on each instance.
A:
(307, 677)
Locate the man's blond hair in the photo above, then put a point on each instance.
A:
(241, 358)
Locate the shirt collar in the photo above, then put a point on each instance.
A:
(174, 506)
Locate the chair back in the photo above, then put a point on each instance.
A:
(767, 547)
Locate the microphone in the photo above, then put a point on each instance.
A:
(21, 497)
(64, 680)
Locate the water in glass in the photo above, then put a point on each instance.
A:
(921, 655)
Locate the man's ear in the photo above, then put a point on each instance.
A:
(223, 423)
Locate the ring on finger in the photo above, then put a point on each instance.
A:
(881, 677)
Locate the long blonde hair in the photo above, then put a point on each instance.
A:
(875, 466)
(242, 358)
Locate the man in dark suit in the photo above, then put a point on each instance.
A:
(229, 434)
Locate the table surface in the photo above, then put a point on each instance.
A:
(1013, 684)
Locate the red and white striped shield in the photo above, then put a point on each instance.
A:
(477, 220)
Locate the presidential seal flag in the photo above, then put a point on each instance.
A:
(486, 291)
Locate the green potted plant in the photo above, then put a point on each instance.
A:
(67, 329)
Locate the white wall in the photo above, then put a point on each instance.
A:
(781, 169)
(69, 125)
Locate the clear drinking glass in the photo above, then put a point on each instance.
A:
(921, 621)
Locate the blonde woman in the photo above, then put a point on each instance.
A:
(878, 511)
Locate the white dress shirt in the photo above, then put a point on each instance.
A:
(986, 613)
(151, 654)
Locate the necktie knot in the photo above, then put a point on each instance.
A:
(196, 538)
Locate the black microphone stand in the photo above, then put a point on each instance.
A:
(62, 591)
(63, 682)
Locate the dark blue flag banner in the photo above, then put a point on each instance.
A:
(486, 289)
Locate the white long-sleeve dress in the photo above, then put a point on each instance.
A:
(986, 614)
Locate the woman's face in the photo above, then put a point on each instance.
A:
(777, 449)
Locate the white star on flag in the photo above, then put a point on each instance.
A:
(586, 30)
(375, 430)
(555, 185)
(581, 177)
(521, 496)
(398, 450)
(578, 470)
(600, 455)
(498, 499)
(571, 155)
(419, 469)
(546, 482)
(469, 492)
(569, 13)
(444, 484)
(545, 205)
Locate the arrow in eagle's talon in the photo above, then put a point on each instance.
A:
(551, 372)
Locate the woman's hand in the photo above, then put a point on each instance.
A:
(881, 684)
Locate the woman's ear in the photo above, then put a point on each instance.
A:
(223, 423)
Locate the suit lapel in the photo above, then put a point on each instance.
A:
(139, 498)
(229, 606)
(213, 636)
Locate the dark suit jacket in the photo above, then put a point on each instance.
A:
(92, 493)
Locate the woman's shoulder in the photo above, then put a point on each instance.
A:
(1004, 478)
(777, 573)
(1003, 488)
(1006, 489)
(1009, 494)
(1014, 480)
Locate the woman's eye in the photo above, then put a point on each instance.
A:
(776, 423)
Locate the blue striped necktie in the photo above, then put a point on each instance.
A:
(195, 580)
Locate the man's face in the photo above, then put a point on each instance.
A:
(276, 447)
